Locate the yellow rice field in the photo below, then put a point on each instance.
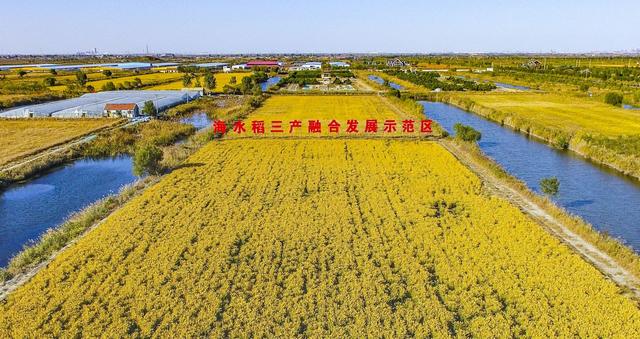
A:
(562, 112)
(319, 238)
(325, 108)
(146, 79)
(20, 137)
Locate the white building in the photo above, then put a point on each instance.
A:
(339, 64)
(396, 62)
(308, 66)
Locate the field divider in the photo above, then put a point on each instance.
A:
(602, 261)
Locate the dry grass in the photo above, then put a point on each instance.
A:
(21, 137)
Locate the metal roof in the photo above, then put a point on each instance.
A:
(211, 64)
(92, 104)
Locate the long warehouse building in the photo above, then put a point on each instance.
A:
(92, 105)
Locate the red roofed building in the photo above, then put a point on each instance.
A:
(121, 110)
(263, 63)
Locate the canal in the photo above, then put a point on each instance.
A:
(599, 195)
(28, 210)
(381, 82)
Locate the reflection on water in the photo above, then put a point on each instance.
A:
(198, 120)
(270, 82)
(381, 82)
(510, 86)
(601, 196)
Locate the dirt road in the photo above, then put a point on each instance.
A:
(602, 261)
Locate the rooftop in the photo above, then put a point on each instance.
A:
(120, 107)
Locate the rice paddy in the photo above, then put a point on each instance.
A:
(328, 238)
(222, 79)
(20, 137)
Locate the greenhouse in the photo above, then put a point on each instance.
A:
(92, 105)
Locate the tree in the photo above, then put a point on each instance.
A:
(394, 92)
(109, 86)
(91, 89)
(81, 77)
(137, 82)
(146, 159)
(53, 72)
(22, 73)
(550, 186)
(246, 85)
(149, 109)
(210, 81)
(233, 80)
(466, 133)
(256, 90)
(613, 98)
(186, 80)
(50, 81)
(107, 73)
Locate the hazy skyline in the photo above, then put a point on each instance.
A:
(47, 27)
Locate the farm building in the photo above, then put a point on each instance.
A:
(212, 65)
(239, 67)
(396, 62)
(129, 110)
(339, 64)
(92, 105)
(307, 66)
(263, 64)
(312, 65)
(124, 66)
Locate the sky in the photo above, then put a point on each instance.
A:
(327, 26)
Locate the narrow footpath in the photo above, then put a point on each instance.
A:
(602, 261)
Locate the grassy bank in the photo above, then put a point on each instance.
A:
(598, 133)
(622, 254)
(55, 239)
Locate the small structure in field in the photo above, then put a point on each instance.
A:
(128, 110)
(533, 64)
(339, 64)
(261, 64)
(396, 62)
(212, 65)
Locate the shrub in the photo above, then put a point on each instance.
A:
(550, 185)
(466, 133)
(50, 81)
(613, 98)
(109, 86)
(147, 160)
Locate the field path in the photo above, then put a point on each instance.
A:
(602, 261)
(61, 147)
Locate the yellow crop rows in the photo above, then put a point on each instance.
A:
(326, 108)
(25, 136)
(145, 78)
(319, 237)
(562, 112)
(222, 79)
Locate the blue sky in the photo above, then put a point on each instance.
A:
(198, 26)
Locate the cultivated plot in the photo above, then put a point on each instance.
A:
(330, 115)
(322, 238)
(20, 137)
